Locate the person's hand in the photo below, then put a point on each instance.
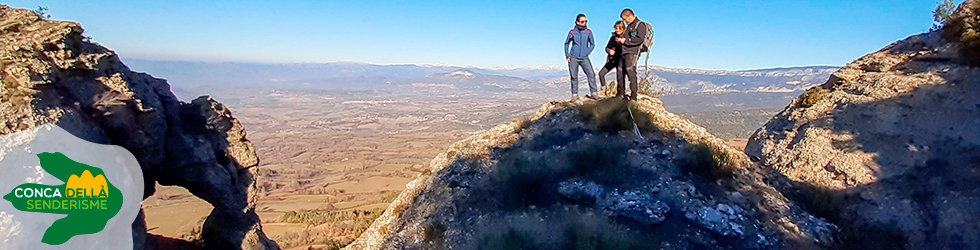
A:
(621, 40)
(611, 52)
(568, 58)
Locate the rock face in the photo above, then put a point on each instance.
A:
(51, 73)
(888, 148)
(575, 175)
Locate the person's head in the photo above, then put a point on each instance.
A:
(627, 15)
(581, 20)
(620, 27)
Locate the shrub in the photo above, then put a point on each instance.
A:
(811, 97)
(320, 217)
(963, 28)
(611, 88)
(42, 12)
(647, 88)
(942, 14)
(389, 198)
(611, 116)
(707, 161)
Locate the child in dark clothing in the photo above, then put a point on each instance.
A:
(615, 50)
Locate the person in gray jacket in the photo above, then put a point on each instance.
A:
(636, 33)
(582, 43)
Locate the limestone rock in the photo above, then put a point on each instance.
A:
(892, 151)
(51, 73)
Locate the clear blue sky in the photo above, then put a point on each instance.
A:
(690, 34)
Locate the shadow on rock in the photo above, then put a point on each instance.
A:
(578, 178)
(924, 151)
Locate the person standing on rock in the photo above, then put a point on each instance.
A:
(614, 49)
(582, 43)
(636, 33)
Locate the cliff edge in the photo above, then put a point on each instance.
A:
(51, 73)
(889, 147)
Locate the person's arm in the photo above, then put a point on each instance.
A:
(641, 34)
(590, 45)
(611, 45)
(568, 39)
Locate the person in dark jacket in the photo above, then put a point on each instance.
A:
(615, 53)
(582, 43)
(636, 33)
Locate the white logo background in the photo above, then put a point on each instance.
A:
(19, 164)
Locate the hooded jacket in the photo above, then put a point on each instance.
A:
(581, 42)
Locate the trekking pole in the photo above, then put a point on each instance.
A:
(636, 129)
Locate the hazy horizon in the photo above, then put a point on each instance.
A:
(124, 58)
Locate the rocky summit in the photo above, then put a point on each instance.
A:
(889, 148)
(52, 73)
(575, 175)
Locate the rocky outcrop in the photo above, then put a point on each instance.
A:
(51, 73)
(575, 175)
(888, 148)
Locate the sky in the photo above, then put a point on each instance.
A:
(732, 35)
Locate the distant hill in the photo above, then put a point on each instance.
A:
(469, 80)
(190, 77)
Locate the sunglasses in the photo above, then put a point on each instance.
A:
(586, 21)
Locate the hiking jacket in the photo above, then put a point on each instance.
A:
(636, 33)
(581, 41)
(616, 46)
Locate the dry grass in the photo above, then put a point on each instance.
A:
(811, 97)
(709, 161)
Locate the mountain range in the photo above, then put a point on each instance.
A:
(194, 78)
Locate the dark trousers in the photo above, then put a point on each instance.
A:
(609, 66)
(627, 68)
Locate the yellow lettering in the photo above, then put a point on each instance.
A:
(30, 204)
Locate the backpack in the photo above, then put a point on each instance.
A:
(645, 48)
(648, 40)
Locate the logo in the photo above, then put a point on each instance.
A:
(86, 197)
